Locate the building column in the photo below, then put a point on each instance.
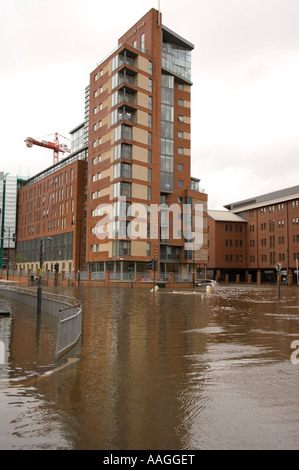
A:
(259, 277)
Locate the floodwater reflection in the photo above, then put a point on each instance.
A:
(173, 370)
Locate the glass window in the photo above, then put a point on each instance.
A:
(123, 188)
(142, 41)
(150, 103)
(150, 85)
(167, 113)
(121, 248)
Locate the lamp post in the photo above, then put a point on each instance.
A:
(278, 269)
(39, 287)
(8, 249)
(79, 249)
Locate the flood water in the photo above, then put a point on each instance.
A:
(175, 370)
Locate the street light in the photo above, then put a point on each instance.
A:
(278, 269)
(79, 250)
(39, 287)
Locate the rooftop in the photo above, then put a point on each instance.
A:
(225, 216)
(275, 197)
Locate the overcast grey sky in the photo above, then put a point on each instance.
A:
(245, 73)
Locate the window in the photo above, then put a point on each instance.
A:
(149, 175)
(123, 151)
(122, 170)
(150, 103)
(181, 86)
(181, 118)
(96, 194)
(181, 102)
(180, 183)
(150, 67)
(149, 120)
(180, 150)
(122, 188)
(150, 85)
(96, 177)
(180, 167)
(121, 248)
(122, 132)
(180, 134)
(142, 41)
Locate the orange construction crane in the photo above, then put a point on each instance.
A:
(55, 146)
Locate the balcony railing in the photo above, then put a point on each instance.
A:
(129, 98)
(127, 61)
(126, 79)
(129, 117)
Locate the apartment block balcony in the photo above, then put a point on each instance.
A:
(126, 57)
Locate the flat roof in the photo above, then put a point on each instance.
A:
(225, 216)
(176, 39)
(274, 197)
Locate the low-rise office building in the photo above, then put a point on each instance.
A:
(271, 226)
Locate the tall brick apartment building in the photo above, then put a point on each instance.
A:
(137, 131)
(140, 149)
(270, 236)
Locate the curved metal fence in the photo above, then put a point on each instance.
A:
(67, 311)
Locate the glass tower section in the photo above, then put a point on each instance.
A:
(177, 60)
(167, 132)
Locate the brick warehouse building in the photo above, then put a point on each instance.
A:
(226, 246)
(51, 205)
(271, 226)
(137, 137)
